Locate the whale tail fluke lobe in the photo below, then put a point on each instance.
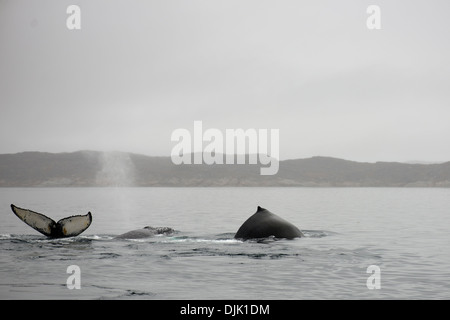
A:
(66, 227)
(74, 225)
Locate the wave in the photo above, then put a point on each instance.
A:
(224, 238)
(318, 233)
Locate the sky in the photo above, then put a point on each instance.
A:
(138, 70)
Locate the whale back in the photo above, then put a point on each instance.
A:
(145, 232)
(264, 224)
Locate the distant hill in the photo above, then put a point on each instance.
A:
(101, 169)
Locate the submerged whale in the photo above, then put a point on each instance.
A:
(66, 227)
(146, 232)
(264, 224)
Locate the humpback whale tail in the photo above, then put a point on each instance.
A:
(66, 227)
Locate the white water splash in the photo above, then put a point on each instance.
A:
(117, 170)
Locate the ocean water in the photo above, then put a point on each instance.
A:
(403, 232)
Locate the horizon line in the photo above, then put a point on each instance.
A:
(414, 162)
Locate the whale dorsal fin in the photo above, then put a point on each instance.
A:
(263, 224)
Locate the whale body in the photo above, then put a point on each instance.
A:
(265, 224)
(145, 232)
(262, 224)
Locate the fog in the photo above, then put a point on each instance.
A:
(138, 70)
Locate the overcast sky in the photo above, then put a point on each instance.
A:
(138, 70)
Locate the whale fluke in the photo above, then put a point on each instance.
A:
(66, 227)
(264, 224)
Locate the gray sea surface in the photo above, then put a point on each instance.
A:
(404, 232)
